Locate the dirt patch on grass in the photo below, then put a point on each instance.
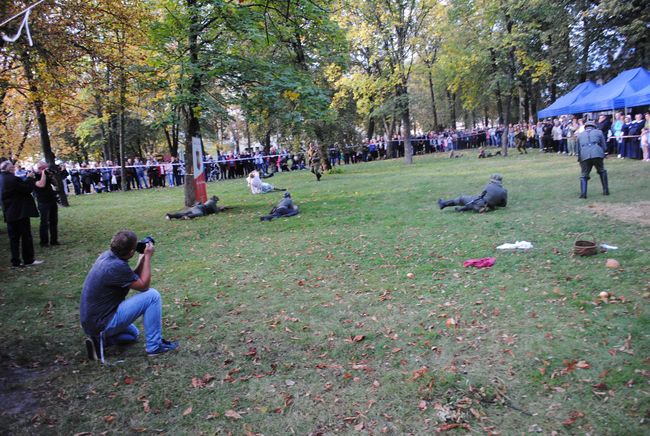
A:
(15, 395)
(633, 213)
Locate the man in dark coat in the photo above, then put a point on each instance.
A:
(18, 206)
(198, 210)
(591, 153)
(494, 195)
(285, 208)
(604, 124)
(47, 206)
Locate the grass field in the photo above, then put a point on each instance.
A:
(310, 325)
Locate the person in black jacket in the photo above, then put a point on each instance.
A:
(18, 206)
(47, 206)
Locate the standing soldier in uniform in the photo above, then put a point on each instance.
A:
(591, 152)
(314, 160)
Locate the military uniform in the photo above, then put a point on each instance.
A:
(198, 210)
(285, 208)
(591, 153)
(494, 195)
(314, 160)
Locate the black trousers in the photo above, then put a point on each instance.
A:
(184, 215)
(48, 230)
(587, 164)
(20, 236)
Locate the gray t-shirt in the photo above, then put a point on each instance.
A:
(105, 287)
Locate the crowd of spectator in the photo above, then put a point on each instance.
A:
(627, 138)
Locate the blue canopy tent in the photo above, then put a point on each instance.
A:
(612, 95)
(559, 107)
(640, 98)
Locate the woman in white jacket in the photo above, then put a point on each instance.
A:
(257, 186)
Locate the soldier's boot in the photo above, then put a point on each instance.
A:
(583, 187)
(605, 183)
(442, 203)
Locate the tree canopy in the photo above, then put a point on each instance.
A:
(111, 79)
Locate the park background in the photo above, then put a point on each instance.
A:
(311, 325)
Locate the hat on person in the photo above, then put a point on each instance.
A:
(496, 177)
(590, 122)
(287, 194)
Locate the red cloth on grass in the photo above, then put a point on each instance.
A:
(485, 262)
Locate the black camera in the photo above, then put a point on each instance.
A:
(143, 244)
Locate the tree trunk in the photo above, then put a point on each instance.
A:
(451, 98)
(402, 95)
(371, 128)
(267, 142)
(527, 99)
(41, 118)
(433, 101)
(192, 125)
(122, 126)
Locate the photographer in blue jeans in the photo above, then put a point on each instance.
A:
(106, 314)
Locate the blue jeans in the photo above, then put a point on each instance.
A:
(121, 330)
(142, 181)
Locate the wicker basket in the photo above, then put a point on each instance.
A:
(584, 247)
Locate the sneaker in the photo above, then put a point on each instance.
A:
(35, 262)
(91, 348)
(164, 347)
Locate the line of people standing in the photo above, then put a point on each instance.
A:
(17, 195)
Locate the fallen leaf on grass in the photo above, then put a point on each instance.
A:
(573, 417)
(583, 365)
(450, 323)
(359, 426)
(202, 382)
(128, 380)
(446, 427)
(357, 338)
(187, 411)
(212, 416)
(232, 414)
(109, 418)
(419, 373)
(168, 403)
(422, 405)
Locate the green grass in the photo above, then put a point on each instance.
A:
(297, 291)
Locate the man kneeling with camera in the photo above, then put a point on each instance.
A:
(106, 315)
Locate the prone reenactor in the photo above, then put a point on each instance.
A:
(494, 195)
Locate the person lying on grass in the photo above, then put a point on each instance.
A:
(198, 210)
(285, 208)
(257, 186)
(494, 195)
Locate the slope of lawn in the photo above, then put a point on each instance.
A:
(357, 316)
